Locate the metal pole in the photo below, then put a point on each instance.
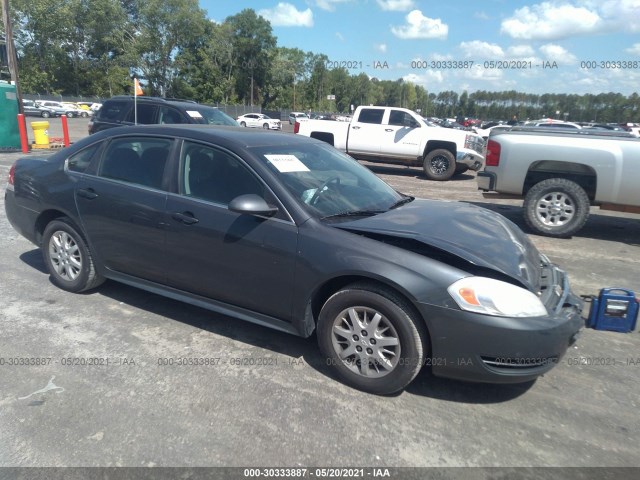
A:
(12, 59)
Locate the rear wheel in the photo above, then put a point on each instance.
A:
(439, 165)
(70, 114)
(371, 338)
(84, 114)
(68, 258)
(556, 207)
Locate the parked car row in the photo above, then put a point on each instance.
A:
(52, 108)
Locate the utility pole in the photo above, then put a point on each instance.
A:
(12, 59)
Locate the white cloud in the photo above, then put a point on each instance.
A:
(396, 5)
(381, 47)
(558, 54)
(339, 36)
(329, 5)
(425, 79)
(634, 49)
(552, 20)
(484, 74)
(481, 16)
(286, 15)
(479, 49)
(518, 51)
(419, 26)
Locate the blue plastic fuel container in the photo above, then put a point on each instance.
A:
(615, 310)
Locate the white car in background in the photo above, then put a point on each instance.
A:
(297, 117)
(259, 120)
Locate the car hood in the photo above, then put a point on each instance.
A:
(475, 234)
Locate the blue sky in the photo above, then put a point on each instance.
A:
(408, 35)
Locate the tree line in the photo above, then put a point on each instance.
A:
(95, 47)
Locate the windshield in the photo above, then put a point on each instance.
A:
(210, 116)
(327, 182)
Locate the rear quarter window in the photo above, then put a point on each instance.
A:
(113, 110)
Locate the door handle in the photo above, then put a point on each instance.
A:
(388, 129)
(87, 193)
(356, 127)
(187, 218)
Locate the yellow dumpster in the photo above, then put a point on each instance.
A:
(41, 134)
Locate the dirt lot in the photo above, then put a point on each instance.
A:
(281, 407)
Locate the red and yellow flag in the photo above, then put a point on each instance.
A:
(137, 87)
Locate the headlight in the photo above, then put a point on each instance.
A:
(493, 297)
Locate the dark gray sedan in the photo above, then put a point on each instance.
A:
(286, 231)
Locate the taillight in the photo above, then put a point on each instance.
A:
(12, 174)
(492, 158)
(296, 127)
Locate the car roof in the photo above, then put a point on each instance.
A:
(182, 103)
(241, 137)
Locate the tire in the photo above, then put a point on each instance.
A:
(84, 114)
(556, 207)
(361, 303)
(439, 165)
(243, 124)
(265, 126)
(68, 258)
(45, 114)
(460, 169)
(69, 114)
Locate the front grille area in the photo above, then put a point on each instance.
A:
(505, 364)
(475, 143)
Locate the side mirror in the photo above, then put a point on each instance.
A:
(252, 204)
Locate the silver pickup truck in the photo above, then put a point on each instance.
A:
(560, 174)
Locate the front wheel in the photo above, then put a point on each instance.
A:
(243, 124)
(45, 114)
(68, 258)
(84, 114)
(371, 338)
(556, 207)
(439, 165)
(69, 114)
(265, 126)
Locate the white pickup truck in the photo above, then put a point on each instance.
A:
(561, 173)
(400, 136)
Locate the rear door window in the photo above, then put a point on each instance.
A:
(371, 115)
(137, 160)
(146, 114)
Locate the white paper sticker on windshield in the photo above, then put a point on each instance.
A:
(194, 114)
(287, 163)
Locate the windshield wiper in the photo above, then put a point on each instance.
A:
(354, 213)
(401, 202)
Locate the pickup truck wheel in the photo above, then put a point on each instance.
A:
(371, 338)
(556, 207)
(439, 165)
(68, 258)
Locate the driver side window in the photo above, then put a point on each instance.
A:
(215, 176)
